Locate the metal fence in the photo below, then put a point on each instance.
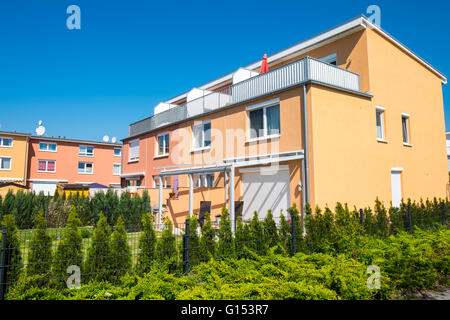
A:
(282, 78)
(185, 246)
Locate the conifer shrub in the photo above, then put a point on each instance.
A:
(98, 261)
(194, 242)
(120, 251)
(299, 244)
(147, 244)
(13, 261)
(208, 242)
(40, 251)
(270, 230)
(166, 248)
(241, 238)
(285, 233)
(257, 235)
(225, 247)
(382, 219)
(69, 250)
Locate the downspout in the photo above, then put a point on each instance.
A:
(305, 134)
(25, 165)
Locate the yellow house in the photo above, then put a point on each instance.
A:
(14, 148)
(346, 116)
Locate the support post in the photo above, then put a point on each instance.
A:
(191, 195)
(160, 195)
(3, 265)
(186, 247)
(225, 178)
(232, 217)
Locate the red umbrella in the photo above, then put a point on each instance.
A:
(264, 65)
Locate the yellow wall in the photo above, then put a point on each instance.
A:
(18, 154)
(4, 190)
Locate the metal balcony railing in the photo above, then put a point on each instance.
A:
(289, 75)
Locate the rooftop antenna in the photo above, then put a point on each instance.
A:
(40, 130)
(113, 139)
(105, 138)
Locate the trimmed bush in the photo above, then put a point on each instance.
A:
(120, 251)
(13, 256)
(225, 247)
(147, 244)
(208, 239)
(166, 248)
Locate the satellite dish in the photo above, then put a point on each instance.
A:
(105, 138)
(40, 123)
(113, 140)
(40, 130)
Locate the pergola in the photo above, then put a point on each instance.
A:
(228, 167)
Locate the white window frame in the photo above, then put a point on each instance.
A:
(164, 181)
(201, 181)
(164, 145)
(264, 106)
(120, 152)
(84, 162)
(10, 163)
(85, 154)
(46, 166)
(48, 145)
(329, 59)
(381, 110)
(407, 117)
(134, 159)
(202, 136)
(114, 165)
(6, 138)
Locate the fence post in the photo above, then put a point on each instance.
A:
(186, 248)
(3, 266)
(444, 214)
(294, 240)
(409, 219)
(361, 220)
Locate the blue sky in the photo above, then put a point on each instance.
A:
(130, 55)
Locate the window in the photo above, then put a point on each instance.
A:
(204, 180)
(331, 59)
(46, 146)
(117, 152)
(163, 144)
(86, 151)
(46, 166)
(134, 150)
(265, 122)
(85, 167)
(5, 163)
(380, 123)
(6, 142)
(405, 129)
(117, 168)
(165, 182)
(202, 135)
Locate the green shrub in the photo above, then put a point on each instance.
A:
(13, 256)
(40, 252)
(225, 246)
(166, 248)
(208, 240)
(120, 251)
(147, 243)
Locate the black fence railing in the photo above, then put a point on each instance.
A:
(48, 257)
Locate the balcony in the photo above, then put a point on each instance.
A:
(290, 75)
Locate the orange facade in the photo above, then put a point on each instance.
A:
(384, 140)
(54, 160)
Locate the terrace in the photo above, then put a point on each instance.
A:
(290, 75)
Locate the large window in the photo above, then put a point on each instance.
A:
(117, 168)
(265, 122)
(47, 146)
(163, 144)
(331, 59)
(380, 123)
(405, 129)
(86, 151)
(5, 163)
(134, 150)
(85, 167)
(202, 135)
(46, 166)
(5, 142)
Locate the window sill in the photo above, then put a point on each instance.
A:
(85, 173)
(46, 171)
(47, 150)
(86, 155)
(275, 136)
(5, 146)
(5, 169)
(201, 149)
(383, 141)
(407, 145)
(132, 161)
(161, 156)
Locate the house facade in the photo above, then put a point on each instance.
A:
(346, 116)
(53, 161)
(13, 157)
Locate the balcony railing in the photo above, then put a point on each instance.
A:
(289, 75)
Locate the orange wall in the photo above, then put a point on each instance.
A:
(67, 159)
(18, 155)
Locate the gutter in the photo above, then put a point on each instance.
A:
(305, 151)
